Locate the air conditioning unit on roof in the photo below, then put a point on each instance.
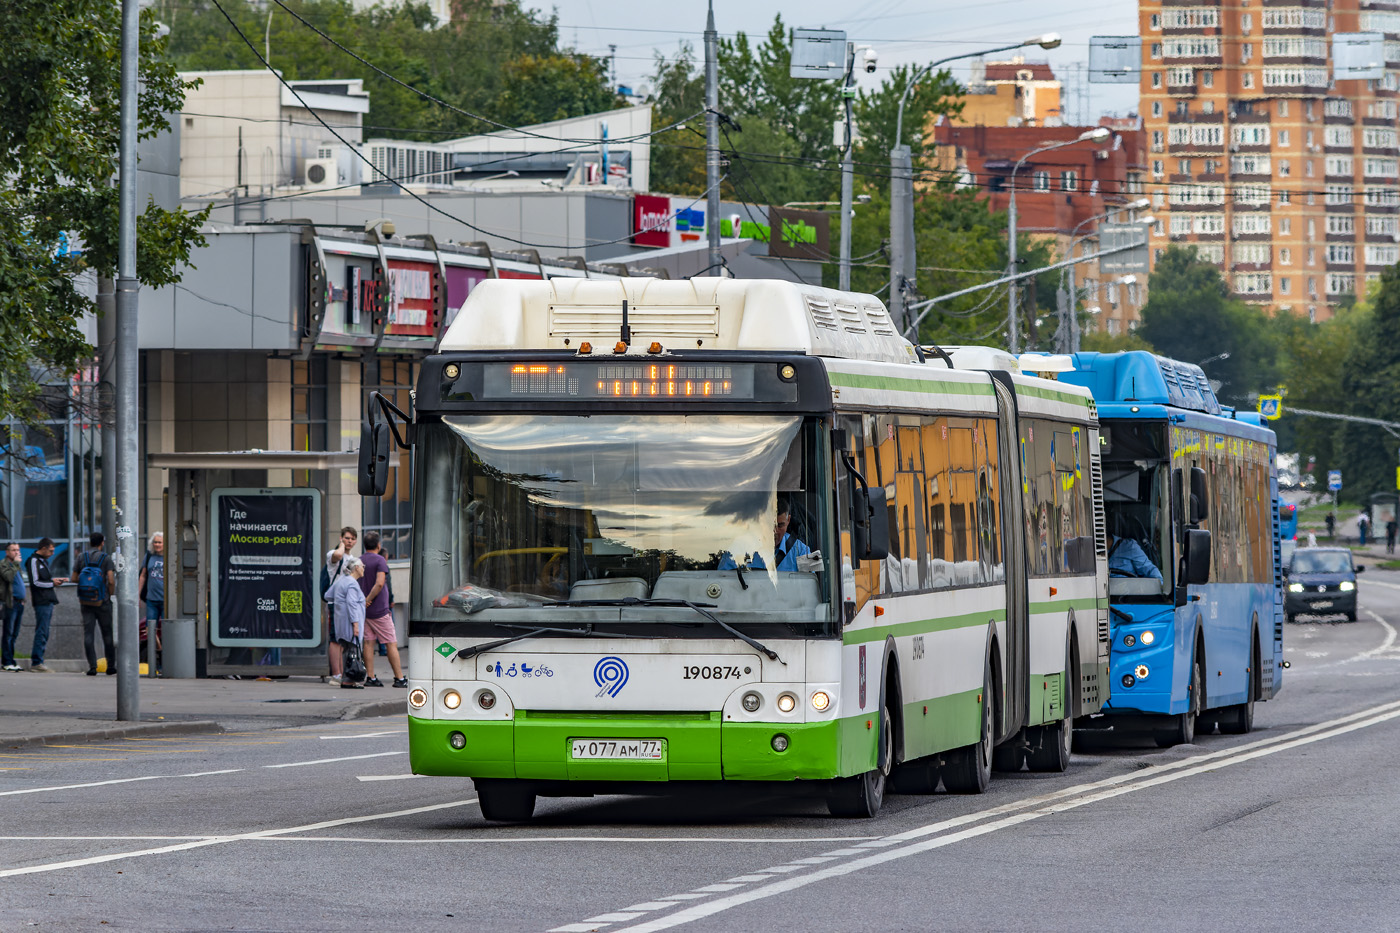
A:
(321, 173)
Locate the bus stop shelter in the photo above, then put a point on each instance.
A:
(239, 555)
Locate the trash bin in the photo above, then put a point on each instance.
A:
(177, 648)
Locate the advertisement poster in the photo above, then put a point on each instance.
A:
(651, 220)
(265, 551)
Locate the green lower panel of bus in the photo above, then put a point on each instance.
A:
(697, 747)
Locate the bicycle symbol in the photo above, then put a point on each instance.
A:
(542, 670)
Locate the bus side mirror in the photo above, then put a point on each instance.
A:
(1197, 557)
(871, 524)
(376, 444)
(1200, 501)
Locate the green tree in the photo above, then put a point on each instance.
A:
(59, 146)
(494, 59)
(1191, 315)
(1370, 381)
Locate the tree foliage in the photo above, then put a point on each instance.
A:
(1370, 381)
(494, 59)
(59, 152)
(1191, 315)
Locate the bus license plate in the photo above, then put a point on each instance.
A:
(1322, 604)
(626, 749)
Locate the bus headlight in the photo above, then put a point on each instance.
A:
(486, 699)
(780, 743)
(457, 740)
(820, 701)
(751, 702)
(452, 699)
(1347, 586)
(1295, 587)
(1147, 638)
(787, 703)
(418, 698)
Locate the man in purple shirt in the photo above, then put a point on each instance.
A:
(379, 614)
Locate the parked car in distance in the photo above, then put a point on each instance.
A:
(1320, 581)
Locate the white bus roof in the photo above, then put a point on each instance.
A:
(707, 313)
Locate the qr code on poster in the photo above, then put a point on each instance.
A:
(291, 602)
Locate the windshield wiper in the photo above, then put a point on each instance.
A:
(586, 631)
(702, 608)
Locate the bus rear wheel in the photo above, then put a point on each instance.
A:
(1239, 719)
(504, 800)
(968, 770)
(862, 796)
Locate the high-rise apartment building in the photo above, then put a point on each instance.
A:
(1284, 178)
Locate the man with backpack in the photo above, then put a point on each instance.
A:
(97, 579)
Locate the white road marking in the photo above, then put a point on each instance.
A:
(327, 761)
(208, 773)
(387, 777)
(494, 840)
(1031, 809)
(40, 790)
(367, 735)
(221, 840)
(1389, 637)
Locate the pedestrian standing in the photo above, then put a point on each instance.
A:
(1390, 529)
(335, 568)
(11, 604)
(43, 587)
(152, 588)
(379, 614)
(349, 603)
(1363, 525)
(1331, 521)
(97, 580)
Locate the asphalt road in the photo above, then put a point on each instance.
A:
(320, 828)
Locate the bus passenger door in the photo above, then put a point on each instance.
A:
(1016, 675)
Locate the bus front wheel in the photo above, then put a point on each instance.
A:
(861, 796)
(504, 800)
(1183, 728)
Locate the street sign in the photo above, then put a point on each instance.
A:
(1115, 59)
(818, 53)
(265, 552)
(1271, 406)
(1334, 480)
(1129, 261)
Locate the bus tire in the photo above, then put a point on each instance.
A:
(861, 796)
(968, 770)
(920, 776)
(505, 800)
(1239, 719)
(1183, 727)
(1051, 745)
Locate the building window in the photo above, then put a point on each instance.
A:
(1285, 257)
(1183, 108)
(1155, 21)
(1156, 79)
(1341, 226)
(1069, 180)
(1283, 108)
(1212, 167)
(1157, 140)
(1208, 78)
(392, 514)
(1284, 169)
(1156, 50)
(1312, 261)
(1285, 196)
(1207, 106)
(1341, 254)
(1285, 285)
(1156, 108)
(310, 423)
(1246, 53)
(1248, 80)
(1040, 181)
(1283, 137)
(1285, 225)
(1246, 23)
(1183, 166)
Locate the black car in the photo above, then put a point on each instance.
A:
(1320, 581)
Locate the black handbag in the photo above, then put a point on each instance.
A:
(353, 662)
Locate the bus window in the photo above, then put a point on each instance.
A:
(963, 465)
(988, 501)
(933, 436)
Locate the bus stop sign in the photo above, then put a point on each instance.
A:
(1334, 480)
(1271, 406)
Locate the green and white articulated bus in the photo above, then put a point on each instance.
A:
(738, 531)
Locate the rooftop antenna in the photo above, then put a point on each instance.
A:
(626, 328)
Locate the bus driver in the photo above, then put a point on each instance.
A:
(1126, 558)
(787, 548)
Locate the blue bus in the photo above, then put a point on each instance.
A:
(1195, 588)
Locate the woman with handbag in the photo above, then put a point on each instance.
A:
(348, 601)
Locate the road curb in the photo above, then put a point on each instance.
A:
(134, 730)
(377, 708)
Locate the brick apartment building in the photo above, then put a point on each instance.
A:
(1280, 175)
(1059, 193)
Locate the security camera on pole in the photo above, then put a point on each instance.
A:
(902, 248)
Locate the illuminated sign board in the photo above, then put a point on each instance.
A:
(641, 380)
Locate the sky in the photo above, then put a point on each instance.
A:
(901, 31)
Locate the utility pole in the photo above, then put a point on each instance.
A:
(902, 264)
(847, 96)
(106, 389)
(712, 142)
(127, 543)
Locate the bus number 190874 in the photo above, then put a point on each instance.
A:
(713, 672)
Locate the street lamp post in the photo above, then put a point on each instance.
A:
(902, 252)
(1096, 135)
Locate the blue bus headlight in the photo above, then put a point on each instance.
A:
(1147, 638)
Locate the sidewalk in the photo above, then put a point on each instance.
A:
(48, 709)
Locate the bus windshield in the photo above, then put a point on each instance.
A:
(516, 511)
